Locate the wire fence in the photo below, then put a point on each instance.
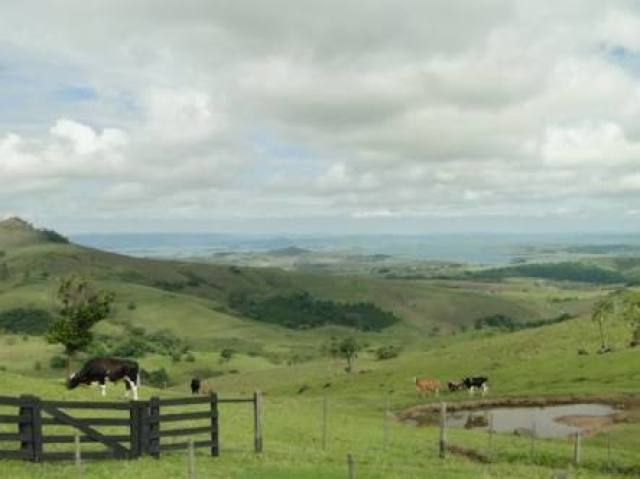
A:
(351, 438)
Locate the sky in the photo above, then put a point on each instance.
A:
(357, 116)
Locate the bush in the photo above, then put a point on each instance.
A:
(58, 362)
(226, 354)
(158, 378)
(37, 366)
(176, 357)
(190, 358)
(133, 347)
(387, 352)
(131, 305)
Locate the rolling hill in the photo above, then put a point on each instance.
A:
(198, 302)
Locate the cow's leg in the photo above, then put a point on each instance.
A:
(485, 389)
(130, 385)
(437, 392)
(127, 386)
(472, 390)
(103, 388)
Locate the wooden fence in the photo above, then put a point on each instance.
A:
(142, 430)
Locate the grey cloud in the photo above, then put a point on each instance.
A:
(411, 108)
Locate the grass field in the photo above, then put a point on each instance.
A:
(295, 374)
(533, 362)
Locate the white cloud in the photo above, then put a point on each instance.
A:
(363, 109)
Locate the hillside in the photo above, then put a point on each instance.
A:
(28, 269)
(15, 232)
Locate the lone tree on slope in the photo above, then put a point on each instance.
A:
(349, 348)
(82, 306)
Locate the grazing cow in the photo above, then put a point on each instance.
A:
(427, 385)
(195, 386)
(457, 386)
(476, 382)
(98, 370)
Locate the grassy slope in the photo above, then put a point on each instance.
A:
(422, 304)
(532, 362)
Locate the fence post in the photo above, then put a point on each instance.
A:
(215, 426)
(490, 433)
(351, 465)
(257, 421)
(30, 427)
(136, 433)
(533, 440)
(192, 460)
(325, 413)
(576, 450)
(443, 429)
(152, 427)
(78, 456)
(385, 431)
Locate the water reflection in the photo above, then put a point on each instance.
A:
(541, 421)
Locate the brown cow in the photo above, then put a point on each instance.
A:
(427, 385)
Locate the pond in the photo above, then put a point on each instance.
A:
(544, 422)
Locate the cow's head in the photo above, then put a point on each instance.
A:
(73, 381)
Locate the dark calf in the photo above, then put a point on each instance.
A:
(455, 386)
(195, 386)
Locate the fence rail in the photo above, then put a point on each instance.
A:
(144, 422)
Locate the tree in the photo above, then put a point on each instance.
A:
(349, 348)
(82, 306)
(631, 313)
(601, 313)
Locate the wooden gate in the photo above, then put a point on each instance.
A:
(139, 423)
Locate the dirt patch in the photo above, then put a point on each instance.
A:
(591, 425)
(413, 414)
(468, 453)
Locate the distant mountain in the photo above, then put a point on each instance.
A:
(290, 251)
(15, 232)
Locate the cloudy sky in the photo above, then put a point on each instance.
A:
(326, 116)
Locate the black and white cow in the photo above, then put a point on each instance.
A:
(195, 386)
(479, 382)
(98, 370)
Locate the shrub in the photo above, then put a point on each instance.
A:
(58, 362)
(176, 357)
(37, 366)
(226, 354)
(158, 378)
(132, 347)
(131, 305)
(387, 352)
(190, 358)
